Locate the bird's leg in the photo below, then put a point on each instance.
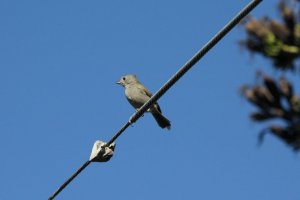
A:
(130, 119)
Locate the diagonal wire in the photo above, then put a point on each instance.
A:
(69, 179)
(188, 65)
(86, 163)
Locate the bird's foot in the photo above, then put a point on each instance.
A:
(130, 120)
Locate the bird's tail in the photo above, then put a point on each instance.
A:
(162, 121)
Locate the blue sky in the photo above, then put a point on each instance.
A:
(59, 64)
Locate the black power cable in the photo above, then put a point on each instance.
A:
(210, 44)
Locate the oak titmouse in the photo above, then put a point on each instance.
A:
(137, 95)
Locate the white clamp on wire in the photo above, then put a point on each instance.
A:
(100, 154)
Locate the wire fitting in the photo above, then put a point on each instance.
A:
(101, 152)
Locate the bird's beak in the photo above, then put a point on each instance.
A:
(119, 82)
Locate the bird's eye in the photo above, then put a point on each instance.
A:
(124, 78)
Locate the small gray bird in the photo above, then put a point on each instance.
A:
(137, 95)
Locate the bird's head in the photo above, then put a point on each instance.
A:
(127, 80)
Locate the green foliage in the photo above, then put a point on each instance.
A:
(275, 99)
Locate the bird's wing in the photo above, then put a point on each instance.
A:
(144, 90)
(149, 94)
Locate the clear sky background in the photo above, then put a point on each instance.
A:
(59, 61)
